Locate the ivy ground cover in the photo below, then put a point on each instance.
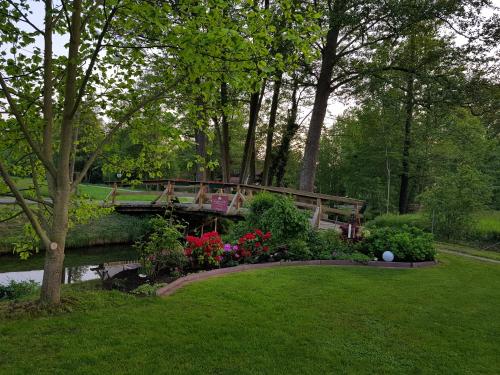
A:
(297, 320)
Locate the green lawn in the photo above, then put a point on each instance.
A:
(301, 320)
(490, 254)
(100, 192)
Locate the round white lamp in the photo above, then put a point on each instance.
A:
(388, 256)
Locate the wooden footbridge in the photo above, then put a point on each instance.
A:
(227, 199)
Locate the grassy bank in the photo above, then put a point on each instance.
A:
(111, 229)
(489, 254)
(303, 320)
(484, 231)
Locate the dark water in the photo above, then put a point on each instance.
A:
(77, 264)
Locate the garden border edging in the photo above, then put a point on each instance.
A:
(185, 280)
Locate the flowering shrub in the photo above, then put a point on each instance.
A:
(253, 245)
(205, 251)
(162, 251)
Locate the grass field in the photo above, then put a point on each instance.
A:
(490, 254)
(301, 320)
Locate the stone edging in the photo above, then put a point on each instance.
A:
(180, 282)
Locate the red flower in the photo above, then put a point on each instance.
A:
(257, 244)
(258, 232)
(265, 249)
(267, 236)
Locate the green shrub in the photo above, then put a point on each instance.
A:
(451, 202)
(409, 244)
(147, 290)
(355, 256)
(326, 244)
(485, 227)
(280, 216)
(162, 250)
(398, 221)
(18, 289)
(298, 249)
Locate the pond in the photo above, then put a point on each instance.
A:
(77, 264)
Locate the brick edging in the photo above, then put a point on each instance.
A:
(180, 282)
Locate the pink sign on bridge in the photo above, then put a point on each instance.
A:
(219, 202)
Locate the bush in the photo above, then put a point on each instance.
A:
(205, 251)
(147, 290)
(298, 249)
(409, 244)
(398, 221)
(162, 251)
(451, 202)
(326, 244)
(253, 247)
(18, 289)
(278, 215)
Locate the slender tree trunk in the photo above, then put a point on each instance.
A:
(281, 158)
(251, 175)
(328, 60)
(54, 256)
(225, 151)
(201, 150)
(48, 90)
(255, 102)
(266, 177)
(405, 174)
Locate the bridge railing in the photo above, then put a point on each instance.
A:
(198, 195)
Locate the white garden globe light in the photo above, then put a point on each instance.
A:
(388, 256)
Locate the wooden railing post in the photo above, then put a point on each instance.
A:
(114, 194)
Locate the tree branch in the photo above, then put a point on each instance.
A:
(23, 16)
(110, 134)
(93, 59)
(20, 200)
(31, 141)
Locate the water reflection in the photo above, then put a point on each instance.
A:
(79, 264)
(70, 275)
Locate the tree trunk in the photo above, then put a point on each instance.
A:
(255, 102)
(328, 60)
(251, 174)
(54, 257)
(281, 158)
(266, 177)
(225, 151)
(405, 174)
(201, 150)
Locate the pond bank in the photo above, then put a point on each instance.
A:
(108, 230)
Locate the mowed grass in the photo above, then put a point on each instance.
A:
(300, 320)
(101, 192)
(489, 254)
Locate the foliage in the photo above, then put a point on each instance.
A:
(397, 221)
(409, 244)
(147, 290)
(354, 256)
(15, 290)
(204, 252)
(297, 249)
(451, 202)
(278, 215)
(253, 246)
(162, 251)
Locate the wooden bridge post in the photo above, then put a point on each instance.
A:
(114, 193)
(316, 220)
(200, 197)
